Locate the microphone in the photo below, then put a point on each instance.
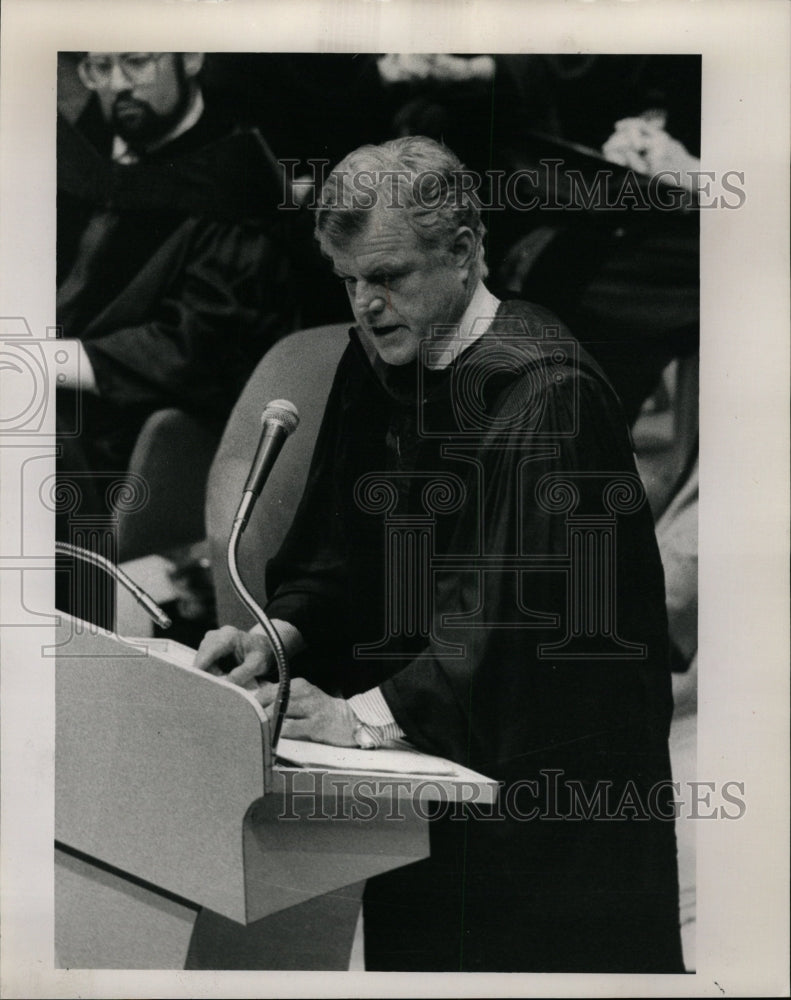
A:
(279, 420)
(143, 599)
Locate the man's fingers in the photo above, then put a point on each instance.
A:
(214, 646)
(301, 703)
(266, 693)
(635, 160)
(304, 699)
(311, 714)
(319, 728)
(297, 729)
(253, 665)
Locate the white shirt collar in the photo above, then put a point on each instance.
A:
(477, 318)
(123, 154)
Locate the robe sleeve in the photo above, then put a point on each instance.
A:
(503, 701)
(221, 308)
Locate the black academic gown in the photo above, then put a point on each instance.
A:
(173, 272)
(518, 461)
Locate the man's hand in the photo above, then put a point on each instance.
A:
(643, 145)
(78, 373)
(250, 650)
(398, 68)
(312, 714)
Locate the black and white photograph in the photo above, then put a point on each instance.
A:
(395, 499)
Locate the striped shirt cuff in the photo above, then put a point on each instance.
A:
(371, 709)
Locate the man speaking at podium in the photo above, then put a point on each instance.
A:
(473, 567)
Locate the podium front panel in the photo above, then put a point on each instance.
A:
(156, 767)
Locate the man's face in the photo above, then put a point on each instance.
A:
(144, 95)
(398, 288)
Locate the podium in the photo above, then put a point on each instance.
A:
(176, 832)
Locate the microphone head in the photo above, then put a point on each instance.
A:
(282, 412)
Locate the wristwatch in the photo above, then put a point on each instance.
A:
(367, 737)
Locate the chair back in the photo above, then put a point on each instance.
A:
(300, 367)
(172, 454)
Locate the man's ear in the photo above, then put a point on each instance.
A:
(83, 75)
(193, 62)
(463, 249)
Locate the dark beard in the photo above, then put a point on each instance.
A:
(139, 125)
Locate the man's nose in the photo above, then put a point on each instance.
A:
(370, 299)
(118, 80)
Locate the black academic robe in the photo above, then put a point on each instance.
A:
(173, 272)
(529, 643)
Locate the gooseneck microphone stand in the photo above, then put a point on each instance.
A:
(279, 419)
(284, 678)
(142, 598)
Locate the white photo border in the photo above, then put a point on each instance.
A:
(742, 907)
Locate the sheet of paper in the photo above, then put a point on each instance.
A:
(394, 758)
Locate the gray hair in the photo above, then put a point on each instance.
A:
(416, 175)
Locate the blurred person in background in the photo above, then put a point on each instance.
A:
(171, 265)
(173, 269)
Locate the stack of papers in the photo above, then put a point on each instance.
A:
(391, 758)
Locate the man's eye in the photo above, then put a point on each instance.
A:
(349, 281)
(138, 62)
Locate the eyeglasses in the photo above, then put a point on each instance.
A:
(137, 67)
